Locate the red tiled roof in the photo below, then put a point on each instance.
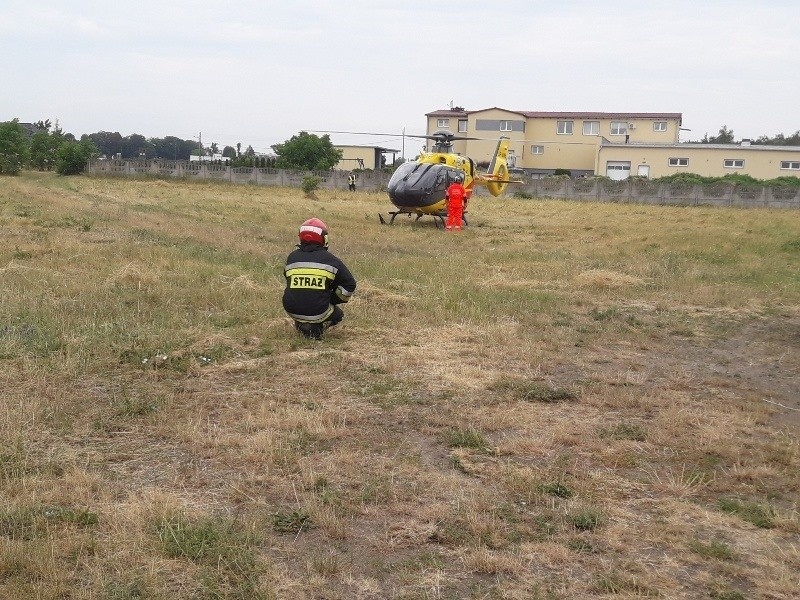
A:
(561, 114)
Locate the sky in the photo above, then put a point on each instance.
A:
(258, 72)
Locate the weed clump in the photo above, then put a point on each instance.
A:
(291, 522)
(586, 520)
(625, 431)
(758, 515)
(466, 438)
(534, 391)
(557, 489)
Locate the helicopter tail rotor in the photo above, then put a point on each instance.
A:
(497, 174)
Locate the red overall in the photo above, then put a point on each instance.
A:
(455, 205)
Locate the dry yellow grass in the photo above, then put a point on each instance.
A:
(565, 400)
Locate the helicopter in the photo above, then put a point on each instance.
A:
(419, 187)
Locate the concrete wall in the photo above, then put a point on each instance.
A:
(648, 192)
(596, 190)
(367, 180)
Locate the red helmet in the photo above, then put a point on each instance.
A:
(314, 231)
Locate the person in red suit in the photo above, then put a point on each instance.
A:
(456, 197)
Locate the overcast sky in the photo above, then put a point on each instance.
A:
(258, 72)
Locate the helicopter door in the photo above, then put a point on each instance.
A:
(511, 159)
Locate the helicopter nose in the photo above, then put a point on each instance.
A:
(418, 184)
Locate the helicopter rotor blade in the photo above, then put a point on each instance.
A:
(383, 133)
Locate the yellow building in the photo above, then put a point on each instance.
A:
(619, 161)
(542, 142)
(364, 157)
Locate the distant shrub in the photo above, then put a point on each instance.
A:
(71, 157)
(563, 172)
(310, 184)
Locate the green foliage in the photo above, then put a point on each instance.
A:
(557, 489)
(730, 179)
(14, 148)
(713, 549)
(724, 136)
(586, 520)
(310, 184)
(72, 157)
(308, 152)
(44, 149)
(293, 522)
(533, 391)
(625, 431)
(780, 140)
(465, 438)
(756, 514)
(562, 172)
(36, 522)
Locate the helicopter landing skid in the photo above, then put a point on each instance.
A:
(438, 217)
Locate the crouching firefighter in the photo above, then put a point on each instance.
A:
(317, 282)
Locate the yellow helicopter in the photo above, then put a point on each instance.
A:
(419, 187)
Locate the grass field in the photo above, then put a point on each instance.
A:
(565, 400)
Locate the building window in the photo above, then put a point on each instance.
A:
(462, 126)
(733, 163)
(443, 123)
(678, 162)
(619, 127)
(659, 126)
(564, 127)
(788, 164)
(537, 149)
(505, 126)
(591, 128)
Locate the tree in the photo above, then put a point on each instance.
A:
(725, 136)
(229, 152)
(13, 148)
(780, 140)
(44, 148)
(107, 142)
(137, 146)
(308, 152)
(72, 157)
(173, 148)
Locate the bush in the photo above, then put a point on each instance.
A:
(310, 184)
(566, 172)
(72, 157)
(13, 148)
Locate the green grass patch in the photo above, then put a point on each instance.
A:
(625, 431)
(557, 489)
(534, 391)
(586, 519)
(466, 438)
(34, 522)
(758, 515)
(292, 522)
(713, 549)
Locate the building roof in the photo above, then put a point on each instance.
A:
(460, 112)
(686, 145)
(601, 115)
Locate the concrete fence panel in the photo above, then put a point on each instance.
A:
(586, 189)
